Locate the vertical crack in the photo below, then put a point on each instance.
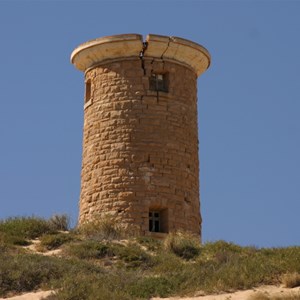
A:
(145, 44)
(170, 39)
(142, 54)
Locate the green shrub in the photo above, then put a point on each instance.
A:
(88, 250)
(22, 273)
(167, 263)
(242, 268)
(54, 241)
(149, 242)
(152, 287)
(7, 248)
(104, 229)
(215, 247)
(9, 239)
(25, 227)
(59, 222)
(92, 286)
(77, 287)
(184, 245)
(286, 259)
(222, 251)
(132, 255)
(236, 272)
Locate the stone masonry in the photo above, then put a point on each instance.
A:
(140, 141)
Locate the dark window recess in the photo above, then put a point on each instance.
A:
(159, 82)
(87, 91)
(154, 221)
(158, 220)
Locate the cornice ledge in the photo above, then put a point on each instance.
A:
(109, 47)
(182, 50)
(178, 49)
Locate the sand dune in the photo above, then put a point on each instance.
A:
(239, 295)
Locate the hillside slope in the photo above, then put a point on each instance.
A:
(102, 262)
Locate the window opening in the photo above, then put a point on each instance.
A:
(87, 91)
(158, 82)
(154, 221)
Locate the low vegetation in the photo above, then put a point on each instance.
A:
(183, 245)
(54, 240)
(97, 262)
(104, 229)
(291, 280)
(19, 230)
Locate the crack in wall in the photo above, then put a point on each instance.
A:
(170, 40)
(142, 53)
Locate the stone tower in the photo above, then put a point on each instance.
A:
(140, 141)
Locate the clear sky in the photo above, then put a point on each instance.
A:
(248, 102)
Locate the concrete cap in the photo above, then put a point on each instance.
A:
(116, 46)
(188, 52)
(131, 45)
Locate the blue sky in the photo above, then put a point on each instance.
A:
(248, 107)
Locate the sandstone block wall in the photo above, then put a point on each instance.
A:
(140, 145)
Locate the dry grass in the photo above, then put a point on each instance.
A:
(291, 280)
(54, 241)
(103, 229)
(59, 222)
(183, 244)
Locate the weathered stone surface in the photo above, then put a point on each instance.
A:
(140, 146)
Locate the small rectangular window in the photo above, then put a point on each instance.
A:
(154, 221)
(158, 220)
(158, 82)
(88, 92)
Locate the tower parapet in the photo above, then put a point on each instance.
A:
(122, 46)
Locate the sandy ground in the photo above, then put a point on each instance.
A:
(240, 295)
(30, 296)
(33, 245)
